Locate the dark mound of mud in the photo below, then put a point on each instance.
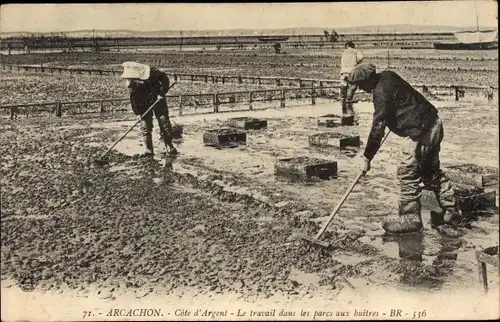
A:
(67, 221)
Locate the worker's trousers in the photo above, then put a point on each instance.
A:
(161, 113)
(347, 93)
(420, 164)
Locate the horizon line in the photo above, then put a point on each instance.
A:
(236, 29)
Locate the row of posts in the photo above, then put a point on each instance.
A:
(255, 80)
(60, 70)
(177, 77)
(216, 100)
(459, 92)
(58, 109)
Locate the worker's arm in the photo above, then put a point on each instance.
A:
(135, 107)
(359, 56)
(163, 80)
(381, 103)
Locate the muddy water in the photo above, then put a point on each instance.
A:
(375, 196)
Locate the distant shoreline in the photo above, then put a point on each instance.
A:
(394, 29)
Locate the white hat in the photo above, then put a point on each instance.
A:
(135, 70)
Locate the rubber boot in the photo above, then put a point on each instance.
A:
(350, 111)
(344, 107)
(438, 223)
(349, 108)
(437, 218)
(409, 220)
(343, 94)
(452, 217)
(167, 138)
(148, 142)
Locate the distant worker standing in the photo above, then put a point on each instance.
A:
(147, 84)
(351, 57)
(406, 112)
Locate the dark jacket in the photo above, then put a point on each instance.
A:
(401, 108)
(146, 94)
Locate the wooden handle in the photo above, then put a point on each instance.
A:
(124, 135)
(334, 212)
(344, 197)
(142, 116)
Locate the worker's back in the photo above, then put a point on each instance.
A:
(351, 57)
(407, 111)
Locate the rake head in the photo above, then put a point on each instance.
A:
(101, 161)
(315, 241)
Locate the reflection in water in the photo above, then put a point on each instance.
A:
(413, 270)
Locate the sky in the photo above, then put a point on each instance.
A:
(213, 16)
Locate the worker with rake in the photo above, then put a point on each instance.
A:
(146, 85)
(402, 109)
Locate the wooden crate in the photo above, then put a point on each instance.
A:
(472, 174)
(332, 120)
(338, 140)
(224, 136)
(305, 169)
(469, 198)
(248, 123)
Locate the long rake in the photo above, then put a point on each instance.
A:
(102, 160)
(316, 239)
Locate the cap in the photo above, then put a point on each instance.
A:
(361, 72)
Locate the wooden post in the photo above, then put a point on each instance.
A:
(12, 112)
(102, 110)
(483, 275)
(321, 91)
(216, 102)
(251, 100)
(180, 105)
(456, 93)
(206, 78)
(490, 94)
(283, 97)
(58, 109)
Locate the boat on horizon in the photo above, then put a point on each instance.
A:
(471, 40)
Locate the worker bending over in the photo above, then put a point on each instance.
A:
(147, 84)
(402, 109)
